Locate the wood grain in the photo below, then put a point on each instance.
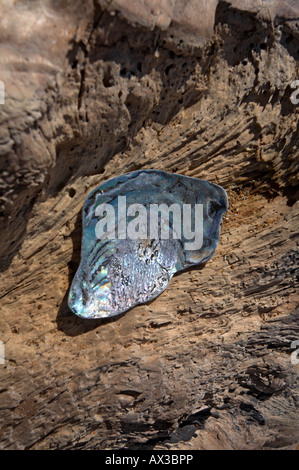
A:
(207, 365)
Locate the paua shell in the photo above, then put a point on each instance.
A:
(118, 271)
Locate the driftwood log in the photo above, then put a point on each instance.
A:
(98, 88)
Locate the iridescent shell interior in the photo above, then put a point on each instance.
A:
(115, 274)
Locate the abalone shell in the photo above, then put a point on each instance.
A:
(126, 257)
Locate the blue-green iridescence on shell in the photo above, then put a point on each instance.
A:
(124, 263)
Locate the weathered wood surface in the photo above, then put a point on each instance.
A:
(97, 90)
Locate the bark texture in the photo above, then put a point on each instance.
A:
(98, 88)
